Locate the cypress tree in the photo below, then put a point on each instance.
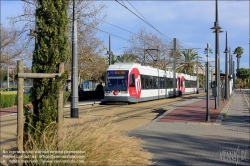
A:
(51, 48)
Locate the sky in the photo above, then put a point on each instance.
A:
(187, 21)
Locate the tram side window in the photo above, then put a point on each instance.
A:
(162, 83)
(194, 84)
(188, 83)
(143, 78)
(147, 82)
(169, 82)
(151, 85)
(155, 82)
(132, 80)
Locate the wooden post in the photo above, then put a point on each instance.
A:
(60, 105)
(21, 77)
(20, 107)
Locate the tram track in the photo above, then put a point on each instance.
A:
(144, 111)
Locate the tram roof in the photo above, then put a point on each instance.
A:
(123, 66)
(126, 66)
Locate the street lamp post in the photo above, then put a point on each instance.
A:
(174, 73)
(207, 87)
(110, 53)
(226, 70)
(74, 73)
(197, 80)
(8, 77)
(217, 56)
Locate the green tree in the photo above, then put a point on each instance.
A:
(238, 51)
(52, 47)
(201, 80)
(3, 74)
(243, 74)
(189, 62)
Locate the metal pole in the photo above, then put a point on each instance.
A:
(74, 77)
(207, 87)
(230, 62)
(226, 71)
(109, 51)
(197, 86)
(217, 56)
(231, 70)
(233, 76)
(8, 75)
(144, 56)
(203, 82)
(60, 105)
(13, 78)
(165, 79)
(174, 73)
(20, 107)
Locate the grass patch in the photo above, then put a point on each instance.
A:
(8, 92)
(224, 115)
(97, 143)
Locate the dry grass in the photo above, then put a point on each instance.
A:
(102, 143)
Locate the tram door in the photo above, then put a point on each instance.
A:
(178, 85)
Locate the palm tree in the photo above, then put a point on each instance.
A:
(190, 59)
(126, 58)
(238, 51)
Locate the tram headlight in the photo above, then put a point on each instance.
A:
(107, 91)
(124, 91)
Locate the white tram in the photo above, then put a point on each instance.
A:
(131, 82)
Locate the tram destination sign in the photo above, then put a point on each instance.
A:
(117, 72)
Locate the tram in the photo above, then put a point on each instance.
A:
(132, 83)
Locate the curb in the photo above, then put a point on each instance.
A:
(66, 106)
(9, 115)
(224, 111)
(84, 103)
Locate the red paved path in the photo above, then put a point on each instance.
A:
(195, 112)
(6, 111)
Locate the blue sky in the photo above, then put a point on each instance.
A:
(188, 21)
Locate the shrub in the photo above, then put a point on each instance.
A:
(10, 99)
(7, 100)
(26, 99)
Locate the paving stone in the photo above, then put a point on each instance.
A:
(178, 143)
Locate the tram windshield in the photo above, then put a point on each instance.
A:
(117, 80)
